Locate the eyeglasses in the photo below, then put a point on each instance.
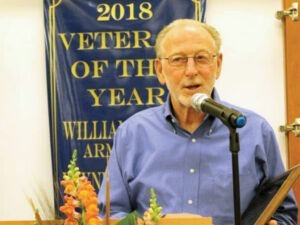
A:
(201, 59)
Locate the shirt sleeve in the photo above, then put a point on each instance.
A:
(286, 214)
(119, 198)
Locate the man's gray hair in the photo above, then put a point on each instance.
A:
(162, 34)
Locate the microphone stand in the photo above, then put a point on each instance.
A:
(234, 148)
(234, 144)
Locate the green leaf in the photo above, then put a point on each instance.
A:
(130, 219)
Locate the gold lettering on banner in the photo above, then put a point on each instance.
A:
(148, 68)
(90, 130)
(134, 98)
(141, 39)
(82, 69)
(155, 95)
(129, 68)
(84, 41)
(122, 40)
(120, 12)
(117, 96)
(66, 43)
(144, 67)
(96, 95)
(97, 150)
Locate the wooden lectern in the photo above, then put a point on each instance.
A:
(185, 219)
(177, 219)
(171, 219)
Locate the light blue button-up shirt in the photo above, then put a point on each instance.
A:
(190, 173)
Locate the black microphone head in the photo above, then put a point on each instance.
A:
(197, 100)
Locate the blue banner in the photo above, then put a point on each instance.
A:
(100, 71)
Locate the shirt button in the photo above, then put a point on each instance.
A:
(193, 140)
(192, 170)
(190, 201)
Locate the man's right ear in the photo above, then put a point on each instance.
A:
(159, 73)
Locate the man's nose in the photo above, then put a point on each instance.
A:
(191, 67)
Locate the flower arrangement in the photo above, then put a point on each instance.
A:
(153, 214)
(150, 217)
(81, 203)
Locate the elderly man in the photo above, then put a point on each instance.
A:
(184, 154)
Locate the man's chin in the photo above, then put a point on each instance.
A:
(185, 100)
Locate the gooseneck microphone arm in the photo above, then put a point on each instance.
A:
(232, 119)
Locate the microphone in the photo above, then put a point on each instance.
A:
(230, 117)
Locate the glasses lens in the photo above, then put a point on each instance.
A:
(177, 60)
(203, 59)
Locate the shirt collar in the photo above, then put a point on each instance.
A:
(171, 119)
(168, 108)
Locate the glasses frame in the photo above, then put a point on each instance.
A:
(186, 58)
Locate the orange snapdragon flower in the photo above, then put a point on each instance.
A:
(91, 211)
(94, 221)
(71, 221)
(69, 207)
(80, 197)
(70, 188)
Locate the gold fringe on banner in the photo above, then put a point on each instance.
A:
(52, 73)
(198, 9)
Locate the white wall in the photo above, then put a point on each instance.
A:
(253, 77)
(25, 145)
(253, 62)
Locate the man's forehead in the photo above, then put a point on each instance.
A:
(190, 28)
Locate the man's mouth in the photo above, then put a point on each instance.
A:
(192, 87)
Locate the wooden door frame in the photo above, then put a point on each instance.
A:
(292, 77)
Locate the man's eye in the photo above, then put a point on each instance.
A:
(178, 59)
(201, 57)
